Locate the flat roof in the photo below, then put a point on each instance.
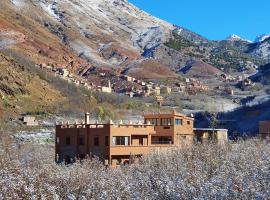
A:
(147, 115)
(209, 129)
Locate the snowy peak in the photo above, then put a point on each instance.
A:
(261, 38)
(235, 37)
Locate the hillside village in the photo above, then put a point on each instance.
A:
(99, 80)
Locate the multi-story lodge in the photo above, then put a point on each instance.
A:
(117, 143)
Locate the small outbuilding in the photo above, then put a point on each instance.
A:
(30, 121)
(208, 134)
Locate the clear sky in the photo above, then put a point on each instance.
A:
(214, 19)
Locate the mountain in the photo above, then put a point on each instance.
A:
(234, 37)
(261, 49)
(261, 38)
(104, 32)
(117, 34)
(225, 54)
(101, 40)
(106, 35)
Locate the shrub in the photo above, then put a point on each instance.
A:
(232, 171)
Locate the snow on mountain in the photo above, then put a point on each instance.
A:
(130, 31)
(18, 3)
(263, 50)
(235, 37)
(261, 38)
(51, 9)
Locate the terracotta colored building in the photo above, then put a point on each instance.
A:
(264, 129)
(119, 143)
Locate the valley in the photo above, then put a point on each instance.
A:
(101, 100)
(116, 48)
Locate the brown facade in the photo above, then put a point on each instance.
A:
(264, 129)
(118, 143)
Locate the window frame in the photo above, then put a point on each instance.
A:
(177, 120)
(166, 121)
(121, 141)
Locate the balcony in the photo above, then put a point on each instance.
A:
(162, 142)
(128, 150)
(136, 150)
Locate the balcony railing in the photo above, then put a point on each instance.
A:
(162, 142)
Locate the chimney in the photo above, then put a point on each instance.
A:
(87, 118)
(109, 84)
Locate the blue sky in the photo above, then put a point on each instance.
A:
(214, 19)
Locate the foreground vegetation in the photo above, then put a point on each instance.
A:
(232, 171)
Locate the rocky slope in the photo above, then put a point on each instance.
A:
(102, 31)
(226, 54)
(21, 90)
(261, 48)
(117, 34)
(116, 37)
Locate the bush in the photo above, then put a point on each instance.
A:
(232, 171)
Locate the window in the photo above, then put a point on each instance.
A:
(106, 140)
(141, 141)
(152, 121)
(57, 140)
(121, 140)
(166, 121)
(188, 122)
(82, 142)
(68, 141)
(178, 122)
(161, 140)
(96, 141)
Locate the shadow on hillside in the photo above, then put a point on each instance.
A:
(242, 122)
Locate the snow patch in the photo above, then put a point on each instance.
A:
(51, 9)
(148, 40)
(85, 51)
(178, 31)
(42, 136)
(258, 100)
(104, 47)
(261, 38)
(235, 37)
(6, 42)
(263, 50)
(18, 3)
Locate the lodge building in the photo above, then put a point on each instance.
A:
(117, 143)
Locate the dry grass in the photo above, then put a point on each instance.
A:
(233, 171)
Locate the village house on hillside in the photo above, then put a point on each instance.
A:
(105, 89)
(120, 143)
(29, 121)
